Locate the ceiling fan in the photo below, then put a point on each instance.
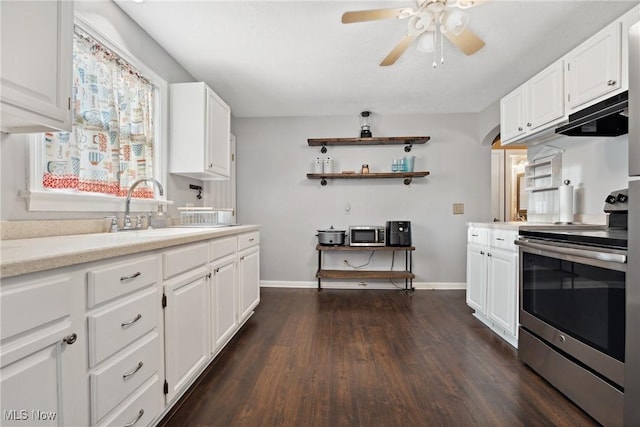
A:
(430, 19)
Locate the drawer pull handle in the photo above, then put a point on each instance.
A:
(500, 238)
(132, 321)
(70, 339)
(133, 276)
(132, 423)
(474, 235)
(136, 369)
(251, 239)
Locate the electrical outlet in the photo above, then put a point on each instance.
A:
(458, 208)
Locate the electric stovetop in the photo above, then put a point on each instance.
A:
(613, 238)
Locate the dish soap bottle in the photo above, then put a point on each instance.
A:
(159, 219)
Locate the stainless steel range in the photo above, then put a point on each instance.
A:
(572, 310)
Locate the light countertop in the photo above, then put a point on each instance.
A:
(524, 225)
(22, 256)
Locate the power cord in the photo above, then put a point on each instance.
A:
(360, 266)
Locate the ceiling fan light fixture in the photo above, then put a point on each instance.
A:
(454, 22)
(426, 42)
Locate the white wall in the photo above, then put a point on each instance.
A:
(274, 158)
(112, 21)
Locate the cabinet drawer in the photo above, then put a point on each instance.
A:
(504, 239)
(478, 236)
(28, 304)
(115, 327)
(248, 239)
(112, 383)
(116, 279)
(223, 247)
(140, 408)
(184, 259)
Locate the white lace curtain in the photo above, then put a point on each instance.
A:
(112, 141)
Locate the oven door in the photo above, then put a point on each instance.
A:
(573, 297)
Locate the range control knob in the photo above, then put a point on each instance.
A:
(622, 198)
(610, 199)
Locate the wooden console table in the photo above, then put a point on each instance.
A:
(406, 274)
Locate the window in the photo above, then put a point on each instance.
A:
(116, 138)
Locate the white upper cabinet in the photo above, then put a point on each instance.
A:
(36, 65)
(536, 105)
(594, 68)
(200, 128)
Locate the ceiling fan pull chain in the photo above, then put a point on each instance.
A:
(435, 46)
(441, 48)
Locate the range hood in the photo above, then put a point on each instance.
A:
(606, 118)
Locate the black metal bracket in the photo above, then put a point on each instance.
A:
(407, 181)
(196, 187)
(323, 150)
(407, 148)
(323, 182)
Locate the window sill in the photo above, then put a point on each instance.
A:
(42, 201)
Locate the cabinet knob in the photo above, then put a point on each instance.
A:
(611, 82)
(519, 128)
(528, 124)
(70, 339)
(488, 253)
(481, 252)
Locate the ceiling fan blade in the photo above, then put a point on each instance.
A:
(467, 41)
(395, 53)
(375, 15)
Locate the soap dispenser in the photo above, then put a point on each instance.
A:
(159, 219)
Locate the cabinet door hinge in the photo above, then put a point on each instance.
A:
(568, 66)
(69, 103)
(233, 157)
(164, 300)
(166, 387)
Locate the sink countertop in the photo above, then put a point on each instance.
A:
(22, 256)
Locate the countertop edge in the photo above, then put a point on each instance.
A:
(56, 260)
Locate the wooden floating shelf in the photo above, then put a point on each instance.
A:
(343, 248)
(364, 274)
(392, 140)
(407, 176)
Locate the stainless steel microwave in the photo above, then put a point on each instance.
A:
(366, 235)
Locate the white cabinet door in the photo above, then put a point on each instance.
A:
(594, 67)
(477, 278)
(199, 132)
(34, 386)
(545, 97)
(219, 134)
(41, 353)
(512, 115)
(224, 304)
(36, 65)
(249, 280)
(502, 285)
(186, 329)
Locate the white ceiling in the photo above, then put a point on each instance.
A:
(295, 58)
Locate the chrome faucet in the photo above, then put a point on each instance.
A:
(127, 207)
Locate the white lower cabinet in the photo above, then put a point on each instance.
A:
(124, 330)
(41, 346)
(186, 316)
(224, 289)
(492, 280)
(118, 341)
(248, 273)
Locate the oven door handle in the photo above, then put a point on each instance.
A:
(563, 250)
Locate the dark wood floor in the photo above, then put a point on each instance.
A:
(371, 358)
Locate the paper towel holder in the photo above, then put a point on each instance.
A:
(566, 216)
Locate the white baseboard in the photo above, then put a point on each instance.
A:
(352, 285)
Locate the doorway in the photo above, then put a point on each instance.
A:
(508, 198)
